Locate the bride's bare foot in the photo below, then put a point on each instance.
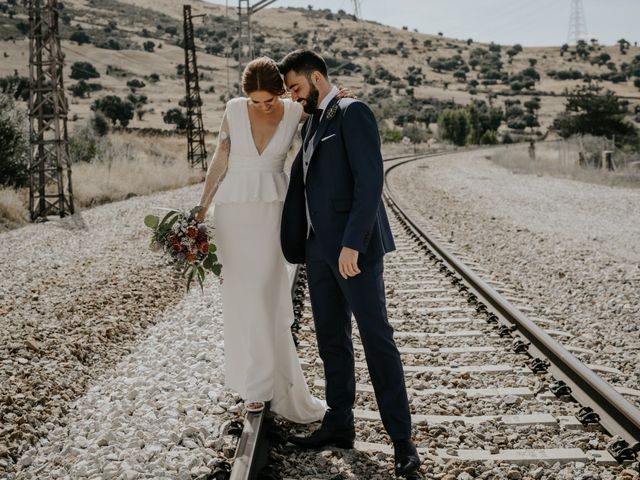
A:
(254, 407)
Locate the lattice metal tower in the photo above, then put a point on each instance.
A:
(356, 8)
(49, 161)
(196, 149)
(245, 38)
(577, 23)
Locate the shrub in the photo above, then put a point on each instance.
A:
(83, 144)
(115, 109)
(214, 49)
(482, 119)
(489, 138)
(14, 144)
(135, 83)
(447, 64)
(80, 37)
(565, 74)
(15, 86)
(590, 111)
(391, 136)
(23, 27)
(454, 125)
(100, 123)
(176, 117)
(148, 46)
(80, 89)
(137, 99)
(83, 71)
(111, 44)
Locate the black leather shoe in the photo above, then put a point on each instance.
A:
(323, 436)
(406, 457)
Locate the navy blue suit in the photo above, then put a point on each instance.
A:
(343, 188)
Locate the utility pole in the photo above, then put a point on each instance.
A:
(49, 159)
(577, 23)
(196, 149)
(356, 9)
(245, 38)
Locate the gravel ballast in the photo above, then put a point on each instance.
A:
(78, 294)
(571, 249)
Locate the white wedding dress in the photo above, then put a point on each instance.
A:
(261, 362)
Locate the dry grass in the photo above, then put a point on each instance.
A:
(560, 159)
(14, 210)
(132, 165)
(126, 165)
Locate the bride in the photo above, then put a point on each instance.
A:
(247, 178)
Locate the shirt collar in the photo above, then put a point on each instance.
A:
(332, 93)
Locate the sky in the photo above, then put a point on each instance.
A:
(528, 22)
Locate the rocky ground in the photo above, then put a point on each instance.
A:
(571, 248)
(77, 295)
(108, 369)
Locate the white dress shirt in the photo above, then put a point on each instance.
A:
(323, 105)
(305, 164)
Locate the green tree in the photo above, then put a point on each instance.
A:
(14, 144)
(149, 46)
(176, 117)
(624, 46)
(454, 125)
(16, 86)
(483, 119)
(115, 109)
(83, 71)
(23, 27)
(80, 37)
(80, 89)
(135, 84)
(589, 110)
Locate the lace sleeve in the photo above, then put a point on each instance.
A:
(217, 167)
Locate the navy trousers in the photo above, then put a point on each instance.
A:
(333, 300)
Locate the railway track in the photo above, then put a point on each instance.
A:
(487, 384)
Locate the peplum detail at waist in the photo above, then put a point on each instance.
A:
(244, 184)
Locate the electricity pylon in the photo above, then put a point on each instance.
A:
(245, 38)
(356, 9)
(49, 159)
(577, 23)
(196, 149)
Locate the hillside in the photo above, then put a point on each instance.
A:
(407, 76)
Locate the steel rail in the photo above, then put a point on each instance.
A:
(617, 415)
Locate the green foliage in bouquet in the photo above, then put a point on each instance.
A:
(186, 241)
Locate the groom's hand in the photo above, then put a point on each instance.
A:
(348, 262)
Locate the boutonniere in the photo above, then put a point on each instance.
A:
(332, 111)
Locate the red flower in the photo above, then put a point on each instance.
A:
(203, 247)
(178, 247)
(192, 231)
(190, 257)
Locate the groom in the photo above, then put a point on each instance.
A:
(335, 222)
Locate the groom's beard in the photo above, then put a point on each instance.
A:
(311, 102)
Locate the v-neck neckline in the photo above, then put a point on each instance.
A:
(253, 142)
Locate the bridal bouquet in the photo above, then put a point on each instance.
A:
(186, 241)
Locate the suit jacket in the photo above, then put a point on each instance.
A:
(343, 187)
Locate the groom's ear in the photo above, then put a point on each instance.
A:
(315, 78)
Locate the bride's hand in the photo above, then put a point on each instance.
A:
(200, 216)
(345, 93)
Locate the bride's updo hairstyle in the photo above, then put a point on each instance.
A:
(262, 74)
